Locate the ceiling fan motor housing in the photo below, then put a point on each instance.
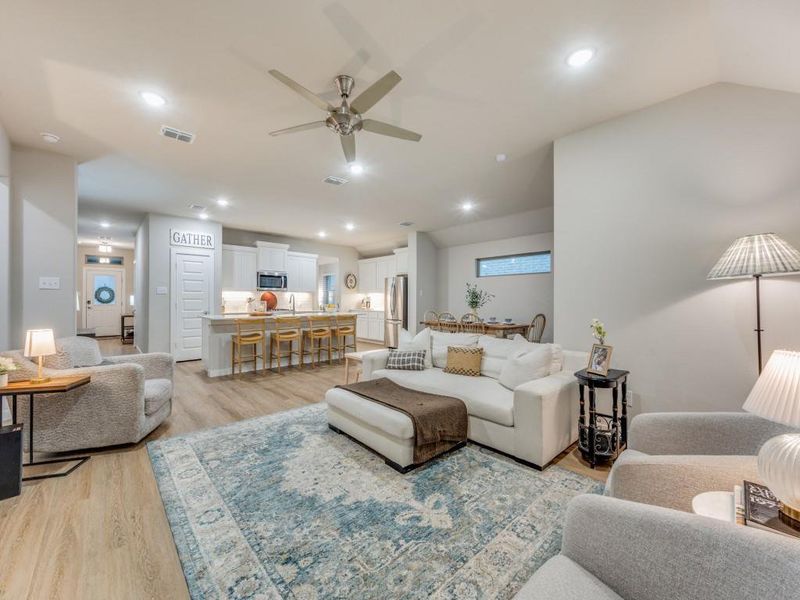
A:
(343, 121)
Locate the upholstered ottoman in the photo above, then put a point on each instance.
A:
(388, 432)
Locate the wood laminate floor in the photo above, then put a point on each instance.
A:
(101, 533)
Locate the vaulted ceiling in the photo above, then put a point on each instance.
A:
(479, 78)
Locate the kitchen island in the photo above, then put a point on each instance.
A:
(218, 330)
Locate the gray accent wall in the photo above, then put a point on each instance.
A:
(5, 238)
(645, 204)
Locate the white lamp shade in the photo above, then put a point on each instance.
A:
(779, 467)
(776, 394)
(39, 342)
(759, 254)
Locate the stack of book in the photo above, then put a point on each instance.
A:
(756, 506)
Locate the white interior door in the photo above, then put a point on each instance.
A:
(192, 286)
(104, 289)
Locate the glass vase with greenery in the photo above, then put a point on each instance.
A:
(477, 298)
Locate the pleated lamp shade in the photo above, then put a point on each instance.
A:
(776, 394)
(759, 254)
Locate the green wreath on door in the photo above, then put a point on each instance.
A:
(104, 295)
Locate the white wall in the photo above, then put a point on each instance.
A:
(44, 209)
(142, 285)
(644, 206)
(422, 277)
(5, 238)
(519, 297)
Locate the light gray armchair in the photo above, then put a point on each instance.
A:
(128, 397)
(613, 549)
(672, 457)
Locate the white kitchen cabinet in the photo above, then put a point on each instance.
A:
(301, 272)
(239, 268)
(370, 326)
(381, 273)
(375, 329)
(271, 256)
(362, 327)
(367, 276)
(401, 256)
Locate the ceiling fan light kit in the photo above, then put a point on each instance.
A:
(346, 119)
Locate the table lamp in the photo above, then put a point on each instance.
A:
(754, 256)
(776, 396)
(39, 343)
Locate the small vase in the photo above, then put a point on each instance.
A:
(3, 380)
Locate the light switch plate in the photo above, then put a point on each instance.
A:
(49, 283)
(161, 290)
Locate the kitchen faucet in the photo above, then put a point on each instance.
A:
(292, 302)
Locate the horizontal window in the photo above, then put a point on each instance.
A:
(517, 264)
(92, 259)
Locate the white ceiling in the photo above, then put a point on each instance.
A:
(479, 78)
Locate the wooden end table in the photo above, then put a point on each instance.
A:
(355, 358)
(56, 385)
(602, 443)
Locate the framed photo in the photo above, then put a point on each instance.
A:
(599, 360)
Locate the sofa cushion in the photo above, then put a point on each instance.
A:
(526, 365)
(84, 351)
(421, 341)
(60, 360)
(440, 340)
(562, 579)
(157, 393)
(557, 363)
(484, 397)
(406, 360)
(464, 360)
(495, 353)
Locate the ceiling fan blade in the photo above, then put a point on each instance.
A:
(305, 93)
(390, 130)
(297, 128)
(370, 96)
(349, 147)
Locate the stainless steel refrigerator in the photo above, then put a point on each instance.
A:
(395, 294)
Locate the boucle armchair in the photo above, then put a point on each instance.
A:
(672, 457)
(128, 397)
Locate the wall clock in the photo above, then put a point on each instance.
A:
(350, 281)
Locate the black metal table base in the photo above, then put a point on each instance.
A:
(79, 460)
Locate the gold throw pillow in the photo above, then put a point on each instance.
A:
(464, 360)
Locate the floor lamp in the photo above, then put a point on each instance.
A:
(754, 256)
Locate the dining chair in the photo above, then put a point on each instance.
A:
(447, 322)
(536, 329)
(319, 331)
(431, 319)
(287, 331)
(471, 323)
(344, 327)
(250, 333)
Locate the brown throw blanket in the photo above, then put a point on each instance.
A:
(440, 422)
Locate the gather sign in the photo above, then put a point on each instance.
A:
(191, 239)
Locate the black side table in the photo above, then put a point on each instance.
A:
(605, 442)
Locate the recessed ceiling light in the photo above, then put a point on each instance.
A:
(222, 202)
(105, 224)
(153, 99)
(349, 226)
(50, 138)
(203, 215)
(355, 168)
(580, 57)
(467, 206)
(500, 157)
(322, 234)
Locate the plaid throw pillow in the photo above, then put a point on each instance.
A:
(406, 360)
(464, 360)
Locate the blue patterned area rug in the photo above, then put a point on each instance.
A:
(282, 507)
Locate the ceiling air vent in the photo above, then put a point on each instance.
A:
(177, 134)
(334, 180)
(406, 224)
(197, 207)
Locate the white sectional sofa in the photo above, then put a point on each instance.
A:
(533, 422)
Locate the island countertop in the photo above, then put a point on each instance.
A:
(227, 318)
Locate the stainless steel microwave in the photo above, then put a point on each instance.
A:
(272, 280)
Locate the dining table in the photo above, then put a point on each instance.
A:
(500, 329)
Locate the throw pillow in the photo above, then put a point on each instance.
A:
(464, 360)
(557, 363)
(526, 365)
(496, 352)
(440, 340)
(411, 360)
(421, 341)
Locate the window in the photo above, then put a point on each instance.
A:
(92, 259)
(517, 264)
(328, 289)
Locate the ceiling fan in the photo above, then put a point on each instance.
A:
(347, 118)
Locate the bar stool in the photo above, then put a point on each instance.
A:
(318, 331)
(252, 333)
(287, 331)
(345, 327)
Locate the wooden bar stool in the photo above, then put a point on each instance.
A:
(251, 333)
(287, 331)
(345, 327)
(318, 331)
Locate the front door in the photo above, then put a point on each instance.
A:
(104, 290)
(192, 287)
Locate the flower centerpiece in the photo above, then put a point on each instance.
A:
(477, 298)
(598, 331)
(6, 366)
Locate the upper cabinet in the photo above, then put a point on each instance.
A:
(367, 276)
(373, 272)
(301, 272)
(272, 257)
(239, 267)
(401, 254)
